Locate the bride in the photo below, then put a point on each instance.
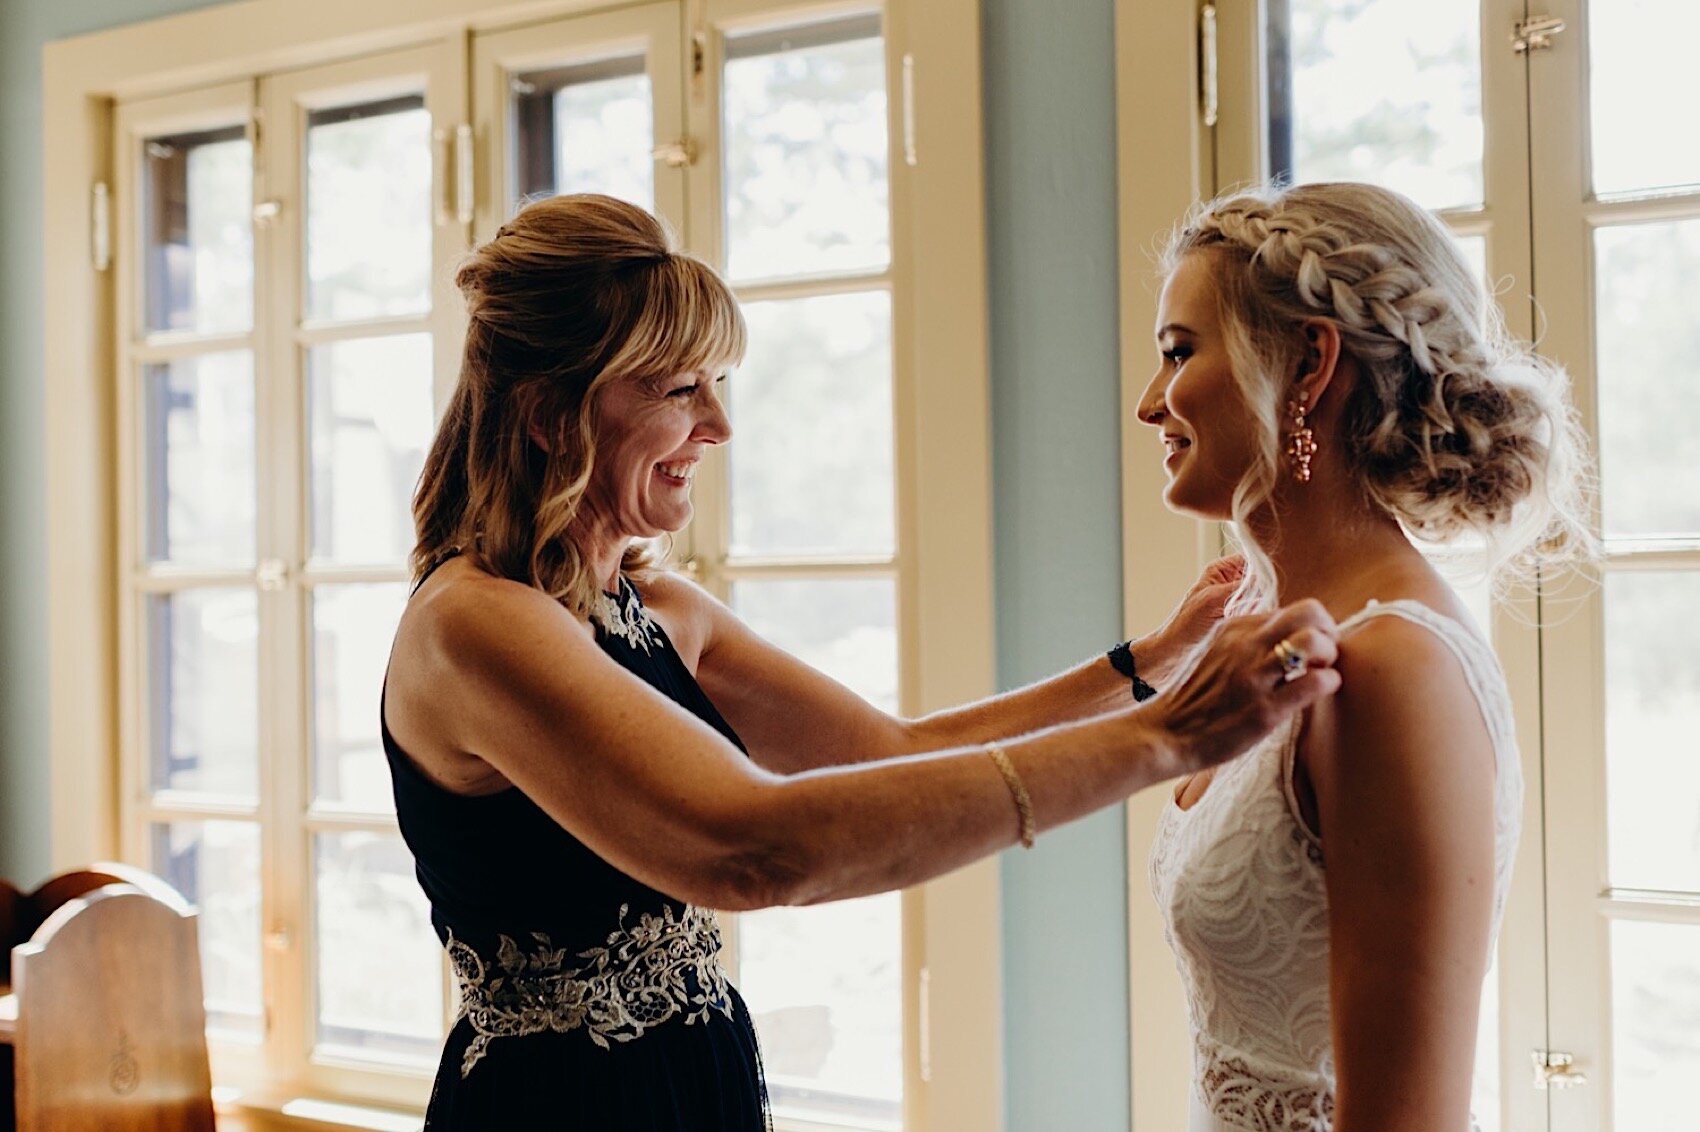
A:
(1335, 382)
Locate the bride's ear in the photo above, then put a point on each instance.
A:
(1320, 361)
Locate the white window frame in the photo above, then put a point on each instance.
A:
(954, 1077)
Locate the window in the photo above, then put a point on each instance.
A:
(285, 330)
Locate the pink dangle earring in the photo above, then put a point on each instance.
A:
(1301, 441)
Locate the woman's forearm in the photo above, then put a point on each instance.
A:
(851, 831)
(1089, 689)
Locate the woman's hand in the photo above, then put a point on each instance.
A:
(1241, 688)
(1164, 653)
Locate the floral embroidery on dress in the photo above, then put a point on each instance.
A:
(658, 969)
(626, 618)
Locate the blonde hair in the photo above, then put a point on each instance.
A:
(1454, 427)
(573, 293)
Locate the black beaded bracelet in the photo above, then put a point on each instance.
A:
(1121, 659)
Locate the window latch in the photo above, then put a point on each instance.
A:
(1555, 1070)
(1535, 34)
(677, 154)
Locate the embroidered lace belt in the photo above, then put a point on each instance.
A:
(660, 968)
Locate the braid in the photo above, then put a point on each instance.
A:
(1453, 425)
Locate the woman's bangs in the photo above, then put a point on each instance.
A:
(692, 323)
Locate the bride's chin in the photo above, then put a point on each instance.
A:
(1182, 503)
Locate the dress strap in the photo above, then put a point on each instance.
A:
(1481, 672)
(1475, 655)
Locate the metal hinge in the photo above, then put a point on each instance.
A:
(272, 574)
(677, 154)
(1535, 34)
(100, 226)
(1556, 1070)
(1209, 81)
(699, 54)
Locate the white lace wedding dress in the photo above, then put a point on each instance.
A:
(1240, 882)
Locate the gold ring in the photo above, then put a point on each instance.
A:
(1291, 659)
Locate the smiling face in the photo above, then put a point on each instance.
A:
(1210, 436)
(651, 435)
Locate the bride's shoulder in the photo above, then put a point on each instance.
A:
(1405, 705)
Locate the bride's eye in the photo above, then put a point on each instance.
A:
(1175, 355)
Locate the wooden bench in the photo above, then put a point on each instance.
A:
(108, 1026)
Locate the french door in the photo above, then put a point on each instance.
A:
(1543, 135)
(287, 331)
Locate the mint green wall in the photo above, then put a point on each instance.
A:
(1050, 149)
(1051, 206)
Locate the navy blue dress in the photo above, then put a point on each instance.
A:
(588, 999)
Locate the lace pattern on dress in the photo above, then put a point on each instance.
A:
(1241, 883)
(660, 968)
(1238, 1094)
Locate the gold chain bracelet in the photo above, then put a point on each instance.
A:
(1017, 792)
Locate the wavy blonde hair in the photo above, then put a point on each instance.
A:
(573, 293)
(1454, 427)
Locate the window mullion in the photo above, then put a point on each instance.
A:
(279, 274)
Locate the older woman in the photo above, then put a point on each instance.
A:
(1335, 381)
(588, 750)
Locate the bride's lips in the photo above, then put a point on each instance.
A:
(1175, 445)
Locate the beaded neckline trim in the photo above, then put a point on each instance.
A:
(624, 616)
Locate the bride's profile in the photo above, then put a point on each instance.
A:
(1335, 382)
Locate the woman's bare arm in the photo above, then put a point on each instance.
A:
(796, 718)
(493, 671)
(1403, 772)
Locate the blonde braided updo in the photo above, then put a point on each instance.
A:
(1454, 427)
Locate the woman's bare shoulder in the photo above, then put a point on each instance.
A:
(460, 629)
(688, 612)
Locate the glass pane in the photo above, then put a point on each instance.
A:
(380, 967)
(1652, 717)
(846, 627)
(203, 687)
(585, 128)
(198, 451)
(352, 629)
(805, 141)
(1649, 378)
(825, 987)
(198, 232)
(811, 462)
(216, 866)
(369, 210)
(1414, 123)
(1655, 1006)
(369, 401)
(1641, 61)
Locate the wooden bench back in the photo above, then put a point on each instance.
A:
(111, 1023)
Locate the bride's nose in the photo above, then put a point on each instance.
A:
(1153, 403)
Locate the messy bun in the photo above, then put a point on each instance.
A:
(574, 292)
(1455, 428)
